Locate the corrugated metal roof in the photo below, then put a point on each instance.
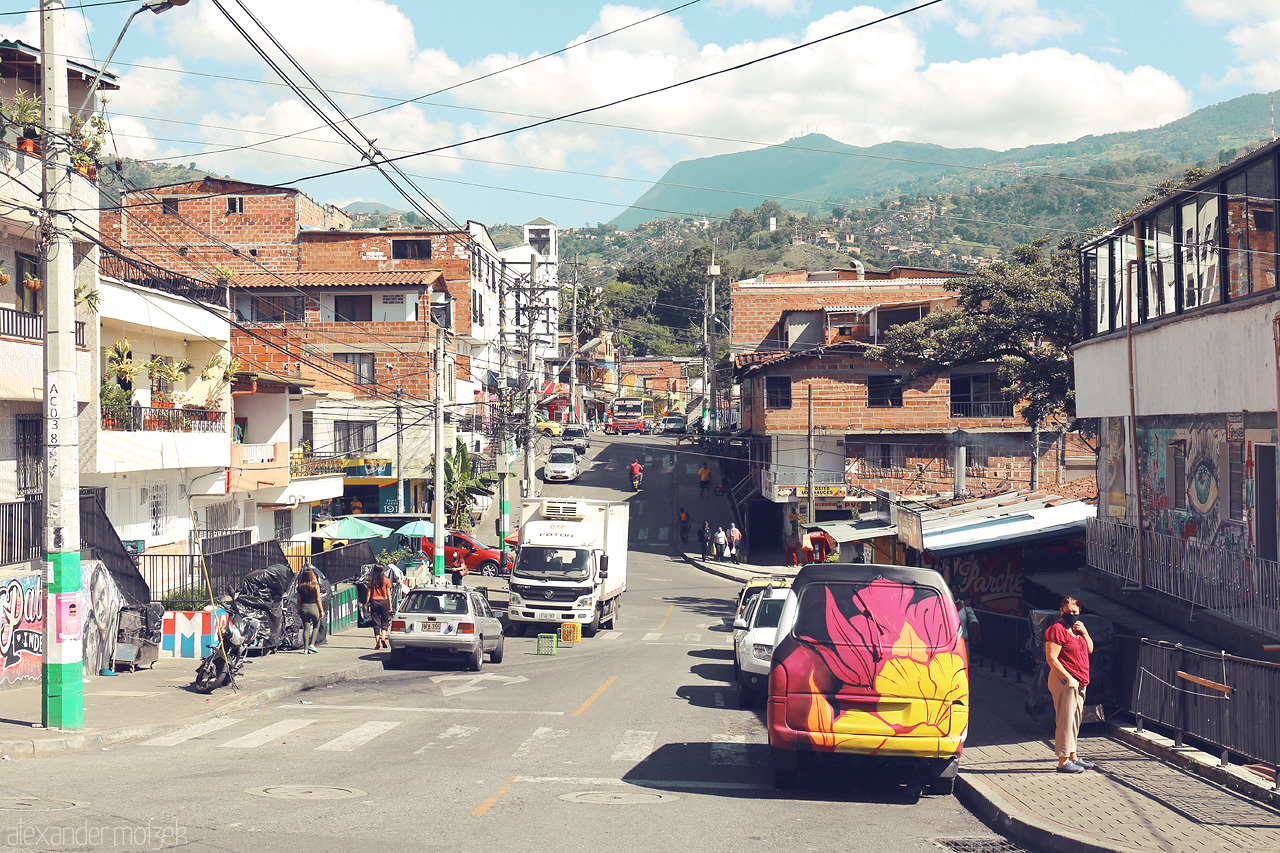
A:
(855, 531)
(352, 278)
(1005, 525)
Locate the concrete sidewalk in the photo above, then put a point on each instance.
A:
(1145, 796)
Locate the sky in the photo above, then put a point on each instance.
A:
(442, 78)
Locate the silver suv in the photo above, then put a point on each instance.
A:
(449, 620)
(575, 436)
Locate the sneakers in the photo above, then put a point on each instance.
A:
(1071, 767)
(313, 650)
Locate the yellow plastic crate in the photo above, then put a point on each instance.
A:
(547, 644)
(570, 632)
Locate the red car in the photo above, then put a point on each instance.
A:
(479, 558)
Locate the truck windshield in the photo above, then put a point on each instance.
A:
(557, 563)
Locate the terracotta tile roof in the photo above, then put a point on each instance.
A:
(353, 278)
(754, 360)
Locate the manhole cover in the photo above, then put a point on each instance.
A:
(978, 845)
(33, 804)
(618, 798)
(305, 792)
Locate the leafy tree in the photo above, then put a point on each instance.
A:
(1023, 315)
(462, 487)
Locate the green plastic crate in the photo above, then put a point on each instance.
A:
(548, 644)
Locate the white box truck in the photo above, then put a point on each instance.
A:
(571, 565)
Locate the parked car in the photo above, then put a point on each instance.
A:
(561, 465)
(868, 665)
(575, 436)
(445, 620)
(754, 586)
(674, 424)
(754, 634)
(547, 427)
(479, 558)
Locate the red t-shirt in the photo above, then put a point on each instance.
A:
(1074, 654)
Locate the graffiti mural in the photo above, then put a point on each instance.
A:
(862, 650)
(992, 578)
(188, 633)
(100, 602)
(21, 629)
(1215, 472)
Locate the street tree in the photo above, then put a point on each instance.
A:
(1023, 315)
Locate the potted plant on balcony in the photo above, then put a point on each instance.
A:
(223, 274)
(114, 401)
(23, 111)
(170, 373)
(120, 364)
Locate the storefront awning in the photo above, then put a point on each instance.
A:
(855, 531)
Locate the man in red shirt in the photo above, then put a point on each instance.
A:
(1067, 646)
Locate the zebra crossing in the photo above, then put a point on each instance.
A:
(543, 741)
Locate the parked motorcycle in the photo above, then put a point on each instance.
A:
(226, 658)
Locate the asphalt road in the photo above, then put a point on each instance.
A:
(630, 741)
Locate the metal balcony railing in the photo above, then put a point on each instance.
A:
(1237, 586)
(29, 327)
(303, 465)
(150, 419)
(991, 409)
(149, 275)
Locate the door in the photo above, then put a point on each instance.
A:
(1265, 485)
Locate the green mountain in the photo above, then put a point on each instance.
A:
(814, 171)
(370, 207)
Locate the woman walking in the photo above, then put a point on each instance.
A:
(1067, 646)
(310, 608)
(379, 605)
(722, 544)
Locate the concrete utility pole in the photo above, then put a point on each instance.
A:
(62, 684)
(437, 475)
(573, 347)
(529, 393)
(812, 515)
(713, 270)
(504, 434)
(400, 503)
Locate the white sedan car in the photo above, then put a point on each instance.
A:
(562, 465)
(753, 650)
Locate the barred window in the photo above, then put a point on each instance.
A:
(1235, 459)
(883, 392)
(284, 524)
(777, 392)
(159, 503)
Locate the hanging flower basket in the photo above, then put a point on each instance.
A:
(32, 284)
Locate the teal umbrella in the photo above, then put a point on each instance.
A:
(421, 527)
(352, 527)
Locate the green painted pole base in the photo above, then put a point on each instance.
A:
(62, 700)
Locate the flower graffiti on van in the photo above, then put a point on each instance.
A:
(885, 667)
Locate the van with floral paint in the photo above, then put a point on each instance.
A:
(868, 665)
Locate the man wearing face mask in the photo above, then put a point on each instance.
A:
(1067, 646)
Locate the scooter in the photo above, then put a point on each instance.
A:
(636, 477)
(227, 657)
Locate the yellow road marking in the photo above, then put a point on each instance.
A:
(594, 696)
(665, 618)
(488, 804)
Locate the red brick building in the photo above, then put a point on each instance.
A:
(810, 384)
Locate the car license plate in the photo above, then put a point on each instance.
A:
(549, 616)
(431, 627)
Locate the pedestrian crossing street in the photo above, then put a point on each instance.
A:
(543, 742)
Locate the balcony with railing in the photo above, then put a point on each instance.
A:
(1239, 587)
(303, 464)
(158, 419)
(258, 466)
(995, 409)
(142, 273)
(26, 326)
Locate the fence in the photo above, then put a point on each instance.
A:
(29, 327)
(21, 531)
(1147, 679)
(165, 419)
(343, 564)
(178, 580)
(1232, 584)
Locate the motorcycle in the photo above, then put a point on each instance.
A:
(227, 657)
(636, 477)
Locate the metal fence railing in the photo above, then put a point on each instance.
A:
(343, 564)
(178, 580)
(1001, 640)
(29, 327)
(161, 419)
(1220, 699)
(987, 409)
(1232, 584)
(21, 531)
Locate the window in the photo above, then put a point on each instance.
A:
(308, 429)
(28, 300)
(355, 436)
(1250, 230)
(978, 395)
(235, 204)
(361, 363)
(29, 443)
(777, 392)
(1200, 250)
(883, 392)
(284, 524)
(169, 206)
(844, 331)
(158, 503)
(1160, 297)
(410, 250)
(270, 309)
(884, 457)
(353, 309)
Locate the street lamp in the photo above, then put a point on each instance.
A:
(154, 6)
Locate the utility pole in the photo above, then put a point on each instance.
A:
(437, 474)
(812, 517)
(504, 397)
(573, 346)
(399, 451)
(62, 678)
(528, 489)
(713, 270)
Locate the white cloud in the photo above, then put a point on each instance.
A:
(1011, 23)
(1218, 11)
(772, 8)
(1253, 41)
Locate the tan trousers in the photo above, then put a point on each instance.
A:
(1068, 702)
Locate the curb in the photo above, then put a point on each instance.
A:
(1198, 763)
(68, 743)
(1022, 828)
(698, 564)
